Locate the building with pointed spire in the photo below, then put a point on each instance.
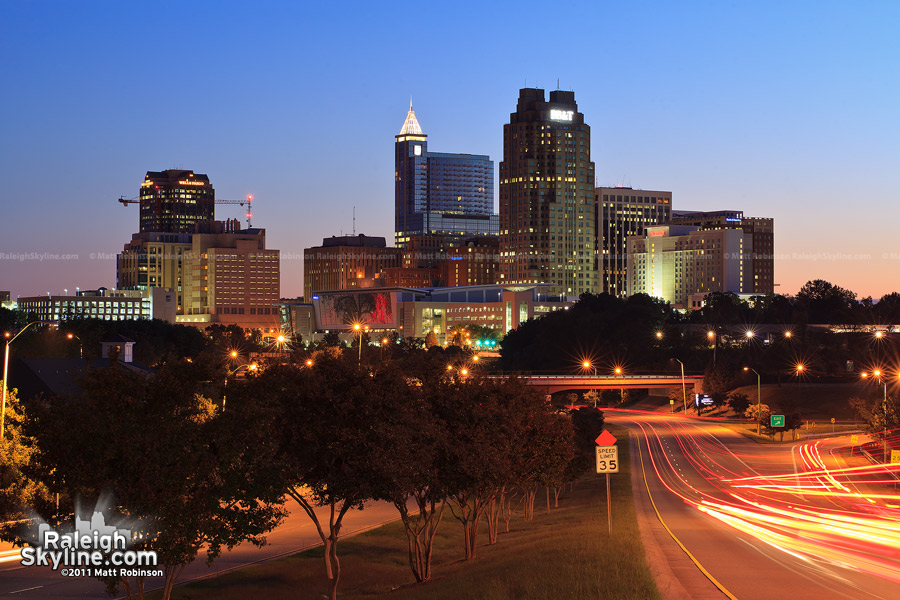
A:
(450, 195)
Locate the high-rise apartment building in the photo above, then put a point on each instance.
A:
(624, 212)
(547, 215)
(438, 193)
(760, 230)
(173, 201)
(675, 262)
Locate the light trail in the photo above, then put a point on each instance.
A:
(844, 517)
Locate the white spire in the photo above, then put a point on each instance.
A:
(411, 124)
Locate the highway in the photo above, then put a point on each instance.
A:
(296, 533)
(759, 521)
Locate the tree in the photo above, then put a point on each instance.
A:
(825, 302)
(587, 424)
(327, 441)
(759, 413)
(180, 472)
(413, 445)
(739, 402)
(19, 490)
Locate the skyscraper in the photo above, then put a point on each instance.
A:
(438, 193)
(172, 201)
(624, 212)
(547, 215)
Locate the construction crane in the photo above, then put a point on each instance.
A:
(249, 202)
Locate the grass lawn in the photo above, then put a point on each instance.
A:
(567, 553)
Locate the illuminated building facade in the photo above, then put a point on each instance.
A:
(674, 262)
(346, 262)
(474, 263)
(438, 193)
(173, 201)
(624, 212)
(221, 275)
(760, 229)
(420, 311)
(547, 215)
(103, 304)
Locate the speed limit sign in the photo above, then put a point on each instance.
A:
(607, 459)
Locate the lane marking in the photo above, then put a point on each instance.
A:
(37, 587)
(708, 575)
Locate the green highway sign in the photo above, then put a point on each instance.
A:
(776, 420)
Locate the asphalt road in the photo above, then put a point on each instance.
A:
(765, 521)
(296, 533)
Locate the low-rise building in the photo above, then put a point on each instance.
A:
(104, 304)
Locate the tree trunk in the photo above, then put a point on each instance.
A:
(420, 532)
(330, 540)
(471, 508)
(529, 503)
(494, 510)
(556, 492)
(548, 499)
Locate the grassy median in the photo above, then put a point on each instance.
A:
(566, 553)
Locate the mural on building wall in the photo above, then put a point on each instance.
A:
(368, 308)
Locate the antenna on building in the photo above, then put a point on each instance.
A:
(557, 83)
(354, 208)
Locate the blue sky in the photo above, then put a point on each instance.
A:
(786, 110)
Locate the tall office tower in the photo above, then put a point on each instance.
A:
(760, 231)
(438, 193)
(622, 212)
(547, 215)
(172, 201)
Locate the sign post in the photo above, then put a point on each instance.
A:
(607, 454)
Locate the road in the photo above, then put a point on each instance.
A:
(764, 521)
(296, 533)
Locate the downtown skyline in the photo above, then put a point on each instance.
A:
(779, 112)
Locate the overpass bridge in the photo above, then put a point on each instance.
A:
(561, 383)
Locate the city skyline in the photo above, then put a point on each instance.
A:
(776, 111)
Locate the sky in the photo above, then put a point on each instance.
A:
(780, 109)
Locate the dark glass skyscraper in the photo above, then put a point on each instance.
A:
(437, 193)
(172, 201)
(547, 218)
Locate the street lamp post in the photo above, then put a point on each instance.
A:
(588, 366)
(6, 373)
(248, 366)
(80, 344)
(711, 335)
(683, 388)
(758, 397)
(358, 328)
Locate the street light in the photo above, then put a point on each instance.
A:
(384, 342)
(714, 340)
(586, 365)
(248, 366)
(9, 340)
(358, 327)
(683, 388)
(80, 344)
(309, 362)
(758, 397)
(877, 374)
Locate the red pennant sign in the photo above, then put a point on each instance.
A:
(606, 439)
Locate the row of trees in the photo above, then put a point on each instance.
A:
(189, 474)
